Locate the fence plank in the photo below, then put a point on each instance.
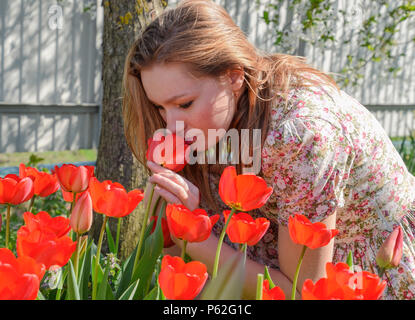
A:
(30, 127)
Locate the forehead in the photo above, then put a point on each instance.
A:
(161, 81)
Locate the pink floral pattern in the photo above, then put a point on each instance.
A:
(326, 153)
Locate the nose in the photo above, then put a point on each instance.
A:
(174, 123)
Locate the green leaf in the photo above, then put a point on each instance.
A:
(228, 283)
(130, 292)
(104, 286)
(40, 296)
(153, 294)
(62, 280)
(153, 247)
(267, 276)
(161, 294)
(85, 273)
(124, 280)
(73, 290)
(125, 274)
(111, 244)
(100, 270)
(147, 234)
(266, 17)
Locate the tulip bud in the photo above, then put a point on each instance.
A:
(81, 216)
(390, 253)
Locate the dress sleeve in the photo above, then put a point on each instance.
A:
(307, 161)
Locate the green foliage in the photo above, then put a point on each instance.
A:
(34, 160)
(315, 21)
(116, 280)
(407, 152)
(53, 204)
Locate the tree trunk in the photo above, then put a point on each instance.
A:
(123, 21)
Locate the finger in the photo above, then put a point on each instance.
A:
(170, 186)
(156, 168)
(176, 178)
(167, 195)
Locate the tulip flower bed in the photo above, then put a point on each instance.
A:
(52, 258)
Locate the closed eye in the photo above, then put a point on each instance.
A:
(186, 105)
(182, 106)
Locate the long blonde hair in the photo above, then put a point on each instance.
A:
(202, 35)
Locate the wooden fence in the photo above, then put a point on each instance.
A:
(50, 70)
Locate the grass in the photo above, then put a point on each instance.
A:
(14, 159)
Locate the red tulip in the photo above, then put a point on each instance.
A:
(15, 190)
(168, 151)
(58, 226)
(312, 235)
(390, 253)
(342, 284)
(243, 192)
(73, 178)
(192, 226)
(179, 280)
(45, 239)
(275, 293)
(44, 183)
(19, 277)
(244, 229)
(168, 242)
(111, 199)
(81, 215)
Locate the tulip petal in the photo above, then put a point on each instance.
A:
(227, 185)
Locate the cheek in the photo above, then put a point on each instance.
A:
(222, 112)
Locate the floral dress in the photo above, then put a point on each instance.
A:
(325, 153)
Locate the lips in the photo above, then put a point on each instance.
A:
(192, 140)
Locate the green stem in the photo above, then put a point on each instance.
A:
(219, 247)
(143, 228)
(300, 260)
(184, 249)
(31, 203)
(381, 272)
(77, 252)
(117, 240)
(259, 285)
(101, 236)
(72, 207)
(243, 249)
(8, 225)
(155, 206)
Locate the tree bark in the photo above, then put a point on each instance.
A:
(123, 21)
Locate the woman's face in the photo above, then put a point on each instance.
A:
(199, 103)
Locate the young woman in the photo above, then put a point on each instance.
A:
(324, 154)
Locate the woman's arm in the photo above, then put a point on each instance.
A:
(314, 262)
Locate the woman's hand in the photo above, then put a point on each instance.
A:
(173, 187)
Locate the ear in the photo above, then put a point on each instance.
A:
(236, 78)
